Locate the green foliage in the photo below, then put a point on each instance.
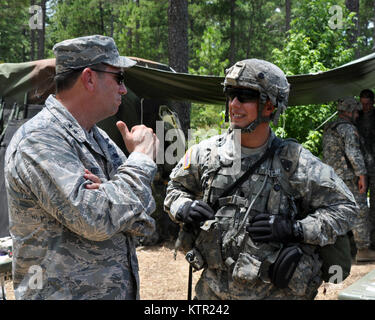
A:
(312, 46)
(70, 19)
(139, 28)
(210, 32)
(366, 21)
(14, 31)
(143, 30)
(260, 27)
(314, 142)
(206, 121)
(207, 57)
(206, 115)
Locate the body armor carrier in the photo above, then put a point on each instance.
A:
(223, 243)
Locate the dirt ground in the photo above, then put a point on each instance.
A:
(163, 278)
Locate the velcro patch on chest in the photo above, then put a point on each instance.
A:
(287, 164)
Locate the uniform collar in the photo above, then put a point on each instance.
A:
(230, 151)
(65, 118)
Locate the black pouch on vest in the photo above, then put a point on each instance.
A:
(281, 271)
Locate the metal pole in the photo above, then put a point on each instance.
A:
(190, 281)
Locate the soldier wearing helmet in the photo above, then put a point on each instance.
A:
(261, 79)
(343, 151)
(365, 125)
(253, 207)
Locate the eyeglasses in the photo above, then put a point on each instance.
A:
(243, 95)
(120, 77)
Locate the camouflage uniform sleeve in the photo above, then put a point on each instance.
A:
(353, 150)
(330, 205)
(50, 170)
(185, 182)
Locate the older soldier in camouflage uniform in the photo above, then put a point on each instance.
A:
(241, 241)
(366, 128)
(75, 200)
(342, 150)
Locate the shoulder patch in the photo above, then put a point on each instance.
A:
(187, 159)
(289, 155)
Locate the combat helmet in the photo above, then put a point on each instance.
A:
(264, 77)
(348, 104)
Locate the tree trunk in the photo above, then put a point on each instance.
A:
(137, 25)
(232, 52)
(32, 38)
(41, 32)
(178, 35)
(353, 6)
(178, 51)
(288, 5)
(129, 36)
(112, 23)
(249, 34)
(101, 17)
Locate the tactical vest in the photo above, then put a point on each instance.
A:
(224, 243)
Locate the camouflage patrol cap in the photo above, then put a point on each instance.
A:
(348, 104)
(85, 51)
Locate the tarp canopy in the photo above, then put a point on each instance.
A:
(36, 77)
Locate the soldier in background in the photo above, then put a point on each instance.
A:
(366, 127)
(75, 201)
(253, 242)
(342, 151)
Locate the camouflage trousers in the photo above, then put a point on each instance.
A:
(371, 184)
(361, 230)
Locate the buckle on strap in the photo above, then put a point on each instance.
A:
(235, 200)
(269, 172)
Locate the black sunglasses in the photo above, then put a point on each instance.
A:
(243, 95)
(120, 77)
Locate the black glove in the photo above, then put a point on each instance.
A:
(265, 228)
(195, 212)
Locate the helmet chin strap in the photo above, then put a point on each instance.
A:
(260, 119)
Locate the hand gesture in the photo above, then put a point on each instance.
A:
(140, 139)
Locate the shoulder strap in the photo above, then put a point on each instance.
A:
(268, 154)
